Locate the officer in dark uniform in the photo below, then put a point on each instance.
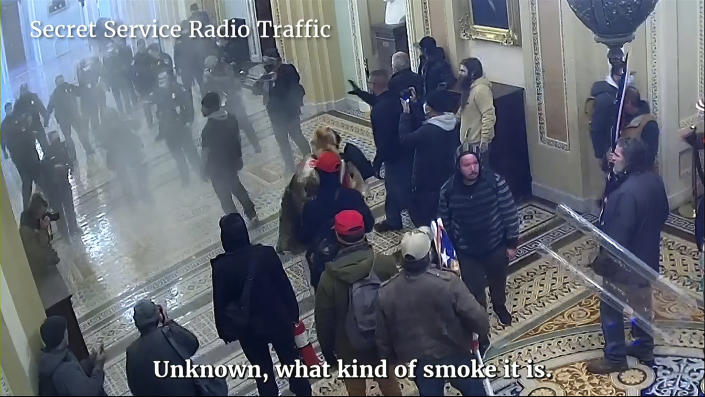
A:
(90, 92)
(56, 166)
(144, 78)
(220, 77)
(21, 138)
(6, 123)
(29, 102)
(164, 62)
(63, 103)
(175, 115)
(116, 63)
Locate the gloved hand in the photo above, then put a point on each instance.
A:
(356, 90)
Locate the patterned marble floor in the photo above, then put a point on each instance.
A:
(163, 252)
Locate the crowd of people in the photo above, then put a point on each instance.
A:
(433, 134)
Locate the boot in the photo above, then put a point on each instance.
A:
(602, 366)
(646, 357)
(505, 318)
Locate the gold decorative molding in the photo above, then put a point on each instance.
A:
(509, 37)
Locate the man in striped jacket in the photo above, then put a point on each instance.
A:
(481, 218)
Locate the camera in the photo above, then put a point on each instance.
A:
(53, 216)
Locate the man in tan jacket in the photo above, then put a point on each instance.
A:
(477, 113)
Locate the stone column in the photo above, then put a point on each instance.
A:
(317, 59)
(22, 310)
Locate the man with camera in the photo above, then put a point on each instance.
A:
(35, 232)
(157, 333)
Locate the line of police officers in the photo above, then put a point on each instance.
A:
(146, 79)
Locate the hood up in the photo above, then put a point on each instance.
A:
(50, 360)
(233, 232)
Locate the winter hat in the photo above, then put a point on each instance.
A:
(443, 101)
(53, 331)
(211, 100)
(427, 42)
(415, 245)
(146, 314)
(328, 162)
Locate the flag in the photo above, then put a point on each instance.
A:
(444, 247)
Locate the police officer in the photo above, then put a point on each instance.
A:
(220, 77)
(29, 102)
(56, 166)
(164, 62)
(90, 92)
(116, 63)
(175, 115)
(21, 138)
(6, 123)
(144, 78)
(63, 104)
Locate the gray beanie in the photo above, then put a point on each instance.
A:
(146, 314)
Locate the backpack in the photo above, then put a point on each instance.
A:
(361, 317)
(238, 312)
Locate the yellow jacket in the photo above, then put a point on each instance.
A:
(477, 118)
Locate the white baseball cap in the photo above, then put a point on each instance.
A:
(415, 245)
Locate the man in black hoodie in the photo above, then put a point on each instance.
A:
(437, 72)
(433, 143)
(269, 301)
(60, 372)
(222, 156)
(397, 161)
(479, 213)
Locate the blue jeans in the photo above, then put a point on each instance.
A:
(434, 386)
(397, 182)
(612, 322)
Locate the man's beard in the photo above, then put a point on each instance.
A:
(466, 82)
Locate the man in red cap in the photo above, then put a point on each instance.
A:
(317, 216)
(355, 267)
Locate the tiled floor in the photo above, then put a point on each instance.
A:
(128, 252)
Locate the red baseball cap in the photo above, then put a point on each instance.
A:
(349, 223)
(328, 162)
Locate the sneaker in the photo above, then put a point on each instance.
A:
(602, 366)
(252, 217)
(383, 227)
(644, 356)
(505, 318)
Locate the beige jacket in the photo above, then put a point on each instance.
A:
(477, 118)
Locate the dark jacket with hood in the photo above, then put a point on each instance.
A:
(384, 117)
(604, 115)
(634, 214)
(480, 217)
(436, 72)
(152, 345)
(426, 313)
(434, 143)
(273, 307)
(220, 140)
(61, 374)
(286, 97)
(318, 214)
(352, 263)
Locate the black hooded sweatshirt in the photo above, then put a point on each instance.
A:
(273, 305)
(603, 117)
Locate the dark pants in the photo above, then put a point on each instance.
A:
(257, 352)
(612, 322)
(61, 199)
(237, 108)
(397, 182)
(29, 174)
(66, 125)
(435, 386)
(123, 99)
(424, 207)
(480, 271)
(91, 122)
(181, 147)
(226, 183)
(283, 129)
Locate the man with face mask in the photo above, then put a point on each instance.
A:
(222, 156)
(63, 103)
(634, 214)
(29, 102)
(175, 115)
(479, 213)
